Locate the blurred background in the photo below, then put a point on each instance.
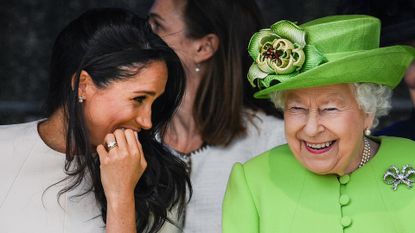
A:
(29, 27)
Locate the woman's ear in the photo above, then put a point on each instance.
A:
(86, 85)
(206, 47)
(369, 120)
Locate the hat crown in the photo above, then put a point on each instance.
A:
(344, 33)
(325, 51)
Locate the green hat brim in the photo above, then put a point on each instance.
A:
(385, 66)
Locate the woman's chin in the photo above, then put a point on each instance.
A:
(321, 161)
(320, 167)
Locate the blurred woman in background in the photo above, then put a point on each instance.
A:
(219, 122)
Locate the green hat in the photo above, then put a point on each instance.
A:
(325, 51)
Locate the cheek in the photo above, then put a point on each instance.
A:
(350, 131)
(293, 124)
(116, 115)
(102, 118)
(100, 112)
(176, 43)
(170, 41)
(346, 125)
(183, 48)
(97, 120)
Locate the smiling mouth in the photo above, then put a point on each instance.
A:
(319, 148)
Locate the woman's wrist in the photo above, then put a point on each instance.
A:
(119, 199)
(121, 215)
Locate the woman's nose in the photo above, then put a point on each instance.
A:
(144, 119)
(312, 125)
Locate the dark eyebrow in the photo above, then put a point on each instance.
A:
(155, 16)
(150, 93)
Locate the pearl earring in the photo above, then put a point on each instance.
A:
(367, 132)
(80, 99)
(197, 69)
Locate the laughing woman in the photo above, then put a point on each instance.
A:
(332, 81)
(114, 83)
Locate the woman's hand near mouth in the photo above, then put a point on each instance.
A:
(121, 168)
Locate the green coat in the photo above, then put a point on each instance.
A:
(274, 193)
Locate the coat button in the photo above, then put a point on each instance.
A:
(346, 221)
(344, 199)
(344, 179)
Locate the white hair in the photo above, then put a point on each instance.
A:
(374, 99)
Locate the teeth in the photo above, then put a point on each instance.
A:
(319, 146)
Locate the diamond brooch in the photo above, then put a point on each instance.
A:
(393, 176)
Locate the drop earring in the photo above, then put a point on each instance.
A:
(197, 69)
(80, 99)
(368, 132)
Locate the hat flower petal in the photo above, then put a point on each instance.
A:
(290, 31)
(255, 73)
(258, 40)
(276, 51)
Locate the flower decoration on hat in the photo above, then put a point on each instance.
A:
(280, 53)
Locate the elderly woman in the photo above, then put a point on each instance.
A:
(332, 81)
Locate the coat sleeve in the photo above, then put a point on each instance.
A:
(239, 210)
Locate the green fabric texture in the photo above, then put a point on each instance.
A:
(338, 49)
(273, 193)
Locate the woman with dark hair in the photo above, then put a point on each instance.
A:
(114, 83)
(219, 122)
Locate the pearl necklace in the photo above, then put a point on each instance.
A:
(366, 153)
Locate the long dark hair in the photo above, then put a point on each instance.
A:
(106, 43)
(224, 92)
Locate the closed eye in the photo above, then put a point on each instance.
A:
(330, 109)
(296, 109)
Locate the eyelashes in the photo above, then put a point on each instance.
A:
(155, 26)
(296, 109)
(140, 99)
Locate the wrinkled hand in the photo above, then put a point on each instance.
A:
(121, 166)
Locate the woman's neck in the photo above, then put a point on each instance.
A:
(372, 150)
(52, 131)
(183, 134)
